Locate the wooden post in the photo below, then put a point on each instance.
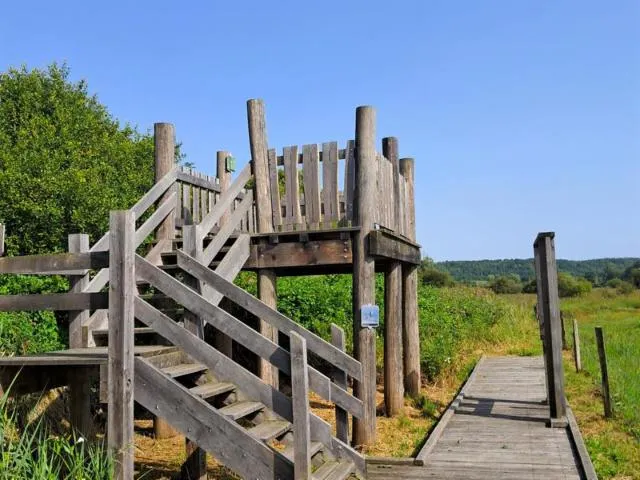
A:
(2, 234)
(122, 291)
(364, 276)
(267, 279)
(393, 371)
(602, 355)
(564, 334)
(544, 250)
(195, 466)
(411, 331)
(221, 341)
(340, 379)
(164, 158)
(80, 405)
(576, 346)
(300, 403)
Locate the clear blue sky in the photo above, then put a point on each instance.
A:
(522, 115)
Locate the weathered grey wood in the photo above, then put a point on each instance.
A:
(187, 216)
(311, 180)
(224, 178)
(330, 183)
(225, 232)
(410, 330)
(364, 430)
(53, 301)
(276, 209)
(228, 268)
(198, 181)
(78, 243)
(564, 334)
(122, 292)
(232, 445)
(300, 401)
(349, 179)
(2, 235)
(544, 248)
(390, 151)
(164, 160)
(292, 186)
(393, 378)
(339, 377)
(158, 219)
(294, 254)
(267, 282)
(260, 309)
(604, 373)
(195, 204)
(587, 466)
(576, 346)
(76, 263)
(386, 245)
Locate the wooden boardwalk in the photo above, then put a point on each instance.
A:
(496, 429)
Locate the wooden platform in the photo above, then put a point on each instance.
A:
(496, 429)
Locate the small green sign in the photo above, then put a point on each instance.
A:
(230, 164)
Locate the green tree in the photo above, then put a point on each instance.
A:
(506, 284)
(64, 160)
(570, 286)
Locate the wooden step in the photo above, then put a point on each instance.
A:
(344, 470)
(184, 369)
(270, 429)
(212, 389)
(239, 410)
(316, 447)
(323, 472)
(136, 331)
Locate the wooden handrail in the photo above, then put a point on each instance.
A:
(54, 264)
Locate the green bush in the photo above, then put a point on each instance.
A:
(506, 284)
(436, 278)
(570, 286)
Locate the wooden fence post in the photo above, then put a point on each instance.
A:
(2, 234)
(549, 311)
(565, 346)
(576, 346)
(122, 291)
(300, 401)
(340, 379)
(364, 276)
(393, 377)
(80, 405)
(411, 331)
(164, 157)
(267, 279)
(602, 355)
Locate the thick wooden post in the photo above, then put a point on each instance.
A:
(2, 234)
(564, 333)
(602, 356)
(393, 371)
(164, 156)
(549, 311)
(364, 276)
(300, 402)
(576, 346)
(411, 330)
(267, 279)
(122, 291)
(80, 405)
(195, 466)
(340, 379)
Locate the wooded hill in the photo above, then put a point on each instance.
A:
(597, 270)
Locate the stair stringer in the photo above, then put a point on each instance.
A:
(212, 431)
(225, 369)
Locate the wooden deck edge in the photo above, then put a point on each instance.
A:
(446, 417)
(403, 461)
(585, 460)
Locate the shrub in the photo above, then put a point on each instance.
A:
(624, 288)
(436, 278)
(506, 284)
(570, 286)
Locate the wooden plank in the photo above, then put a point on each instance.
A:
(293, 254)
(381, 244)
(230, 266)
(393, 377)
(349, 179)
(232, 444)
(187, 216)
(274, 181)
(198, 181)
(257, 307)
(225, 202)
(390, 151)
(2, 236)
(410, 330)
(300, 401)
(53, 301)
(225, 232)
(364, 430)
(339, 377)
(204, 197)
(544, 249)
(311, 180)
(76, 263)
(164, 162)
(587, 466)
(224, 179)
(195, 201)
(330, 183)
(122, 292)
(292, 186)
(604, 373)
(158, 219)
(78, 243)
(576, 346)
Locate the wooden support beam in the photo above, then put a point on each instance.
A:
(393, 378)
(604, 372)
(2, 236)
(199, 182)
(164, 159)
(339, 377)
(300, 401)
(76, 263)
(295, 254)
(267, 279)
(122, 293)
(386, 245)
(576, 346)
(364, 430)
(54, 301)
(549, 311)
(410, 330)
